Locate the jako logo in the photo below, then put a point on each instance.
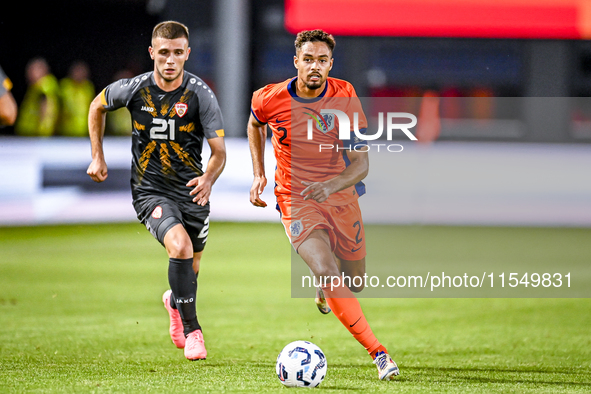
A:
(325, 122)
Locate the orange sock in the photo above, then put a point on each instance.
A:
(380, 348)
(347, 309)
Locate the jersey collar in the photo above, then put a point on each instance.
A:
(291, 88)
(183, 84)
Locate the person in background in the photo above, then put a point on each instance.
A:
(76, 94)
(39, 111)
(8, 108)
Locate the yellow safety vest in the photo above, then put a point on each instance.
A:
(75, 99)
(31, 121)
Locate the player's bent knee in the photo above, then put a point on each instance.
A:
(356, 289)
(180, 250)
(177, 243)
(326, 272)
(354, 271)
(179, 247)
(357, 282)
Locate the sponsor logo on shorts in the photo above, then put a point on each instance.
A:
(157, 212)
(295, 228)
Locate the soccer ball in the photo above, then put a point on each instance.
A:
(301, 364)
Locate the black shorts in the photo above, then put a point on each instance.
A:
(159, 214)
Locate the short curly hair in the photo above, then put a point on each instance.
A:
(313, 36)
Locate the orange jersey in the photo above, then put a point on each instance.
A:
(299, 158)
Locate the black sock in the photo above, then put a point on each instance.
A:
(172, 303)
(183, 283)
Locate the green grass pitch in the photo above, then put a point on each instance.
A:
(81, 311)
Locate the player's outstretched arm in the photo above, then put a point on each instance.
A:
(257, 135)
(202, 185)
(355, 172)
(96, 129)
(8, 109)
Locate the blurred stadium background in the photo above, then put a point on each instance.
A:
(513, 78)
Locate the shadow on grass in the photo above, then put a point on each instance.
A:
(457, 375)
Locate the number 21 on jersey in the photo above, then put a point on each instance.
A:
(162, 129)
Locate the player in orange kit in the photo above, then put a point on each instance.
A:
(317, 189)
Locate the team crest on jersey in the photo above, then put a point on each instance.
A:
(157, 212)
(328, 123)
(181, 109)
(295, 228)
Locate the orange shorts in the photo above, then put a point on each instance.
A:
(343, 224)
